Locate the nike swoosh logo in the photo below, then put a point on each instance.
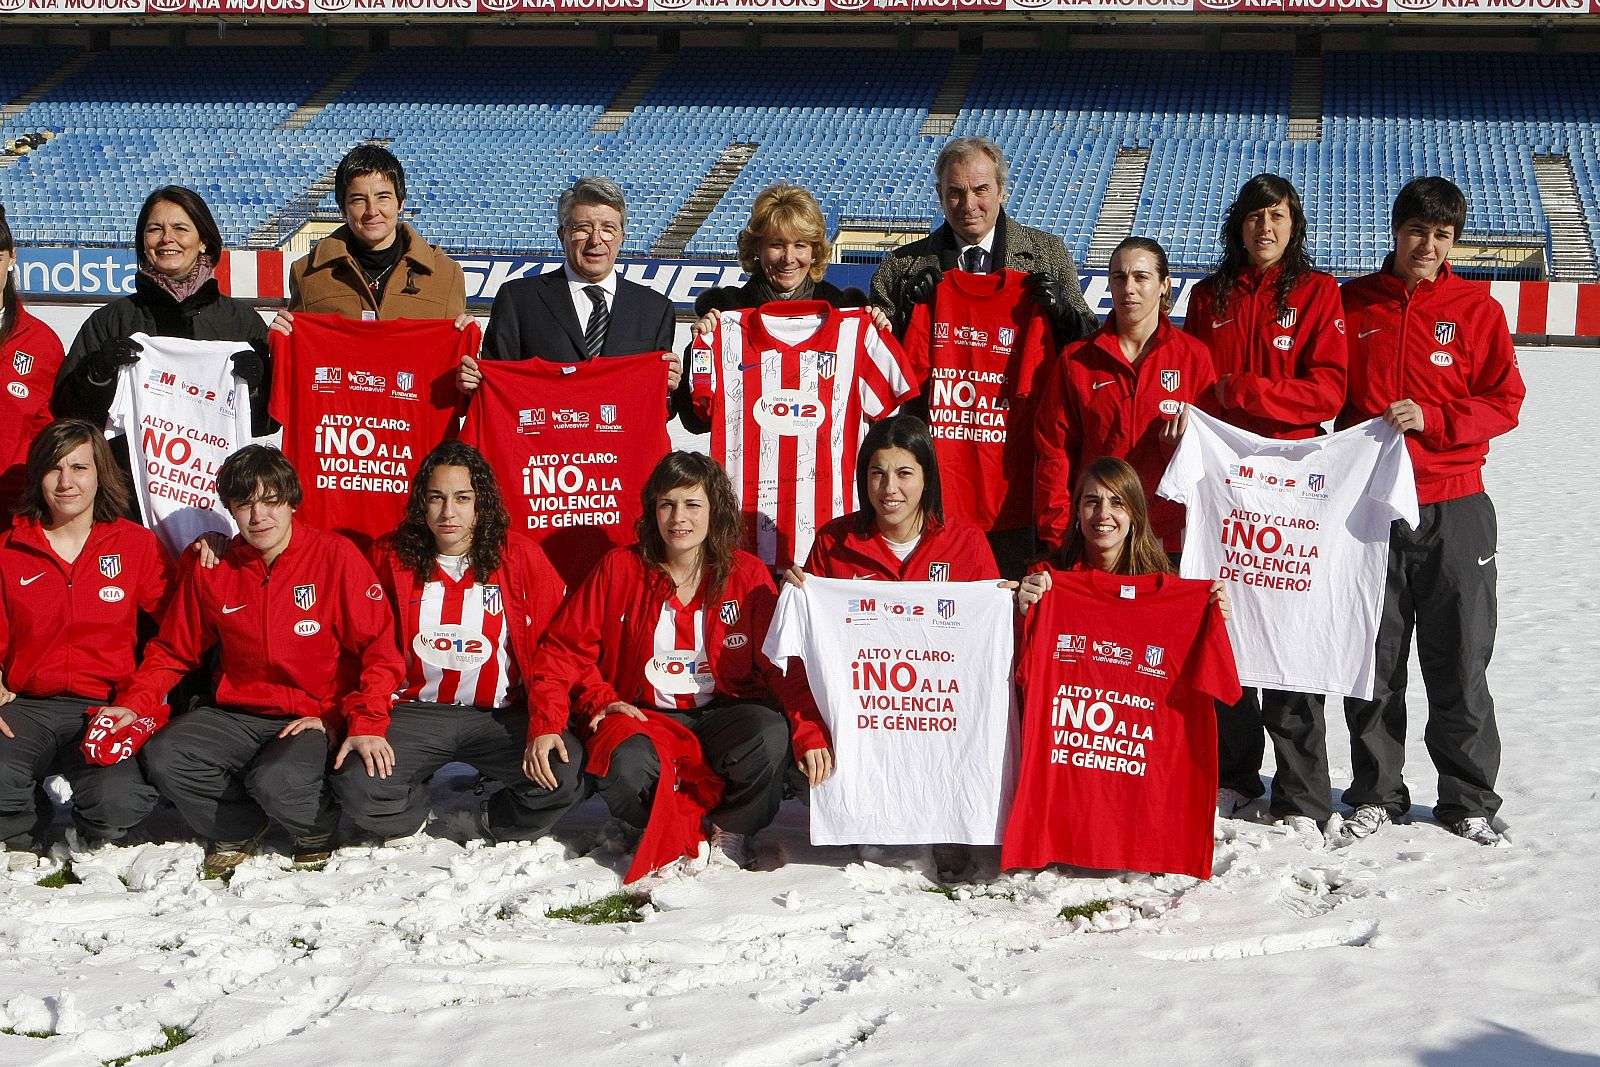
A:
(1097, 385)
(35, 578)
(229, 611)
(1219, 325)
(748, 366)
(1485, 560)
(1364, 334)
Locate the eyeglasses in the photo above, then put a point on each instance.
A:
(606, 231)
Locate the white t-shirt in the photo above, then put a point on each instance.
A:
(184, 413)
(914, 682)
(1300, 531)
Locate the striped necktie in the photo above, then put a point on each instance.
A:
(972, 260)
(594, 334)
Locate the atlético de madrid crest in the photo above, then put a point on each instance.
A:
(1444, 332)
(938, 572)
(492, 604)
(23, 362)
(305, 596)
(1169, 380)
(110, 566)
(1289, 318)
(729, 612)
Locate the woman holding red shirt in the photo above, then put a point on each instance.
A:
(74, 577)
(900, 532)
(1121, 392)
(666, 633)
(1276, 331)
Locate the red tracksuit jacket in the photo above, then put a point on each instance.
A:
(70, 629)
(311, 636)
(953, 551)
(29, 360)
(1447, 347)
(531, 590)
(602, 638)
(1286, 374)
(1097, 404)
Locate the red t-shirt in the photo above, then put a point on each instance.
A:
(361, 403)
(977, 349)
(572, 445)
(1117, 677)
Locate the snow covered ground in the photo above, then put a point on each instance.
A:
(1410, 947)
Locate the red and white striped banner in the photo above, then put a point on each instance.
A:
(1550, 309)
(254, 275)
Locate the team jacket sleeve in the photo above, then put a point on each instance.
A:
(366, 629)
(806, 728)
(566, 676)
(1315, 392)
(1055, 442)
(158, 582)
(177, 649)
(1496, 396)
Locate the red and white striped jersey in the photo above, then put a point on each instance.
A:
(790, 389)
(679, 672)
(460, 653)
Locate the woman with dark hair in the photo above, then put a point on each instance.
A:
(30, 356)
(471, 602)
(175, 294)
(1275, 328)
(900, 532)
(74, 577)
(659, 651)
(1121, 392)
(375, 266)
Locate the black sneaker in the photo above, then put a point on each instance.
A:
(314, 848)
(222, 857)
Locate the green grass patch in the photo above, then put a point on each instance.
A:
(60, 879)
(25, 1033)
(943, 890)
(1085, 911)
(616, 908)
(173, 1036)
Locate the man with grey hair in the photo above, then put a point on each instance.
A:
(978, 236)
(584, 310)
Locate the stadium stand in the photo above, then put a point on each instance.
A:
(490, 137)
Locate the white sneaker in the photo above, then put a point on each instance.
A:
(1477, 830)
(729, 849)
(81, 847)
(1230, 801)
(1302, 826)
(1367, 820)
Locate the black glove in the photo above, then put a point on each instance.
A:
(249, 366)
(101, 366)
(1067, 322)
(920, 286)
(1046, 292)
(718, 298)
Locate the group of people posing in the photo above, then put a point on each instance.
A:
(289, 677)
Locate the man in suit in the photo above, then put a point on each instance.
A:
(584, 310)
(978, 236)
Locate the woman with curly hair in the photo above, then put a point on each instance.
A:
(1275, 327)
(658, 650)
(471, 602)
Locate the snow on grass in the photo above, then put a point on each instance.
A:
(1411, 947)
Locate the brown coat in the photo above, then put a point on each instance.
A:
(427, 284)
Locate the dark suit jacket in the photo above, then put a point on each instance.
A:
(533, 317)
